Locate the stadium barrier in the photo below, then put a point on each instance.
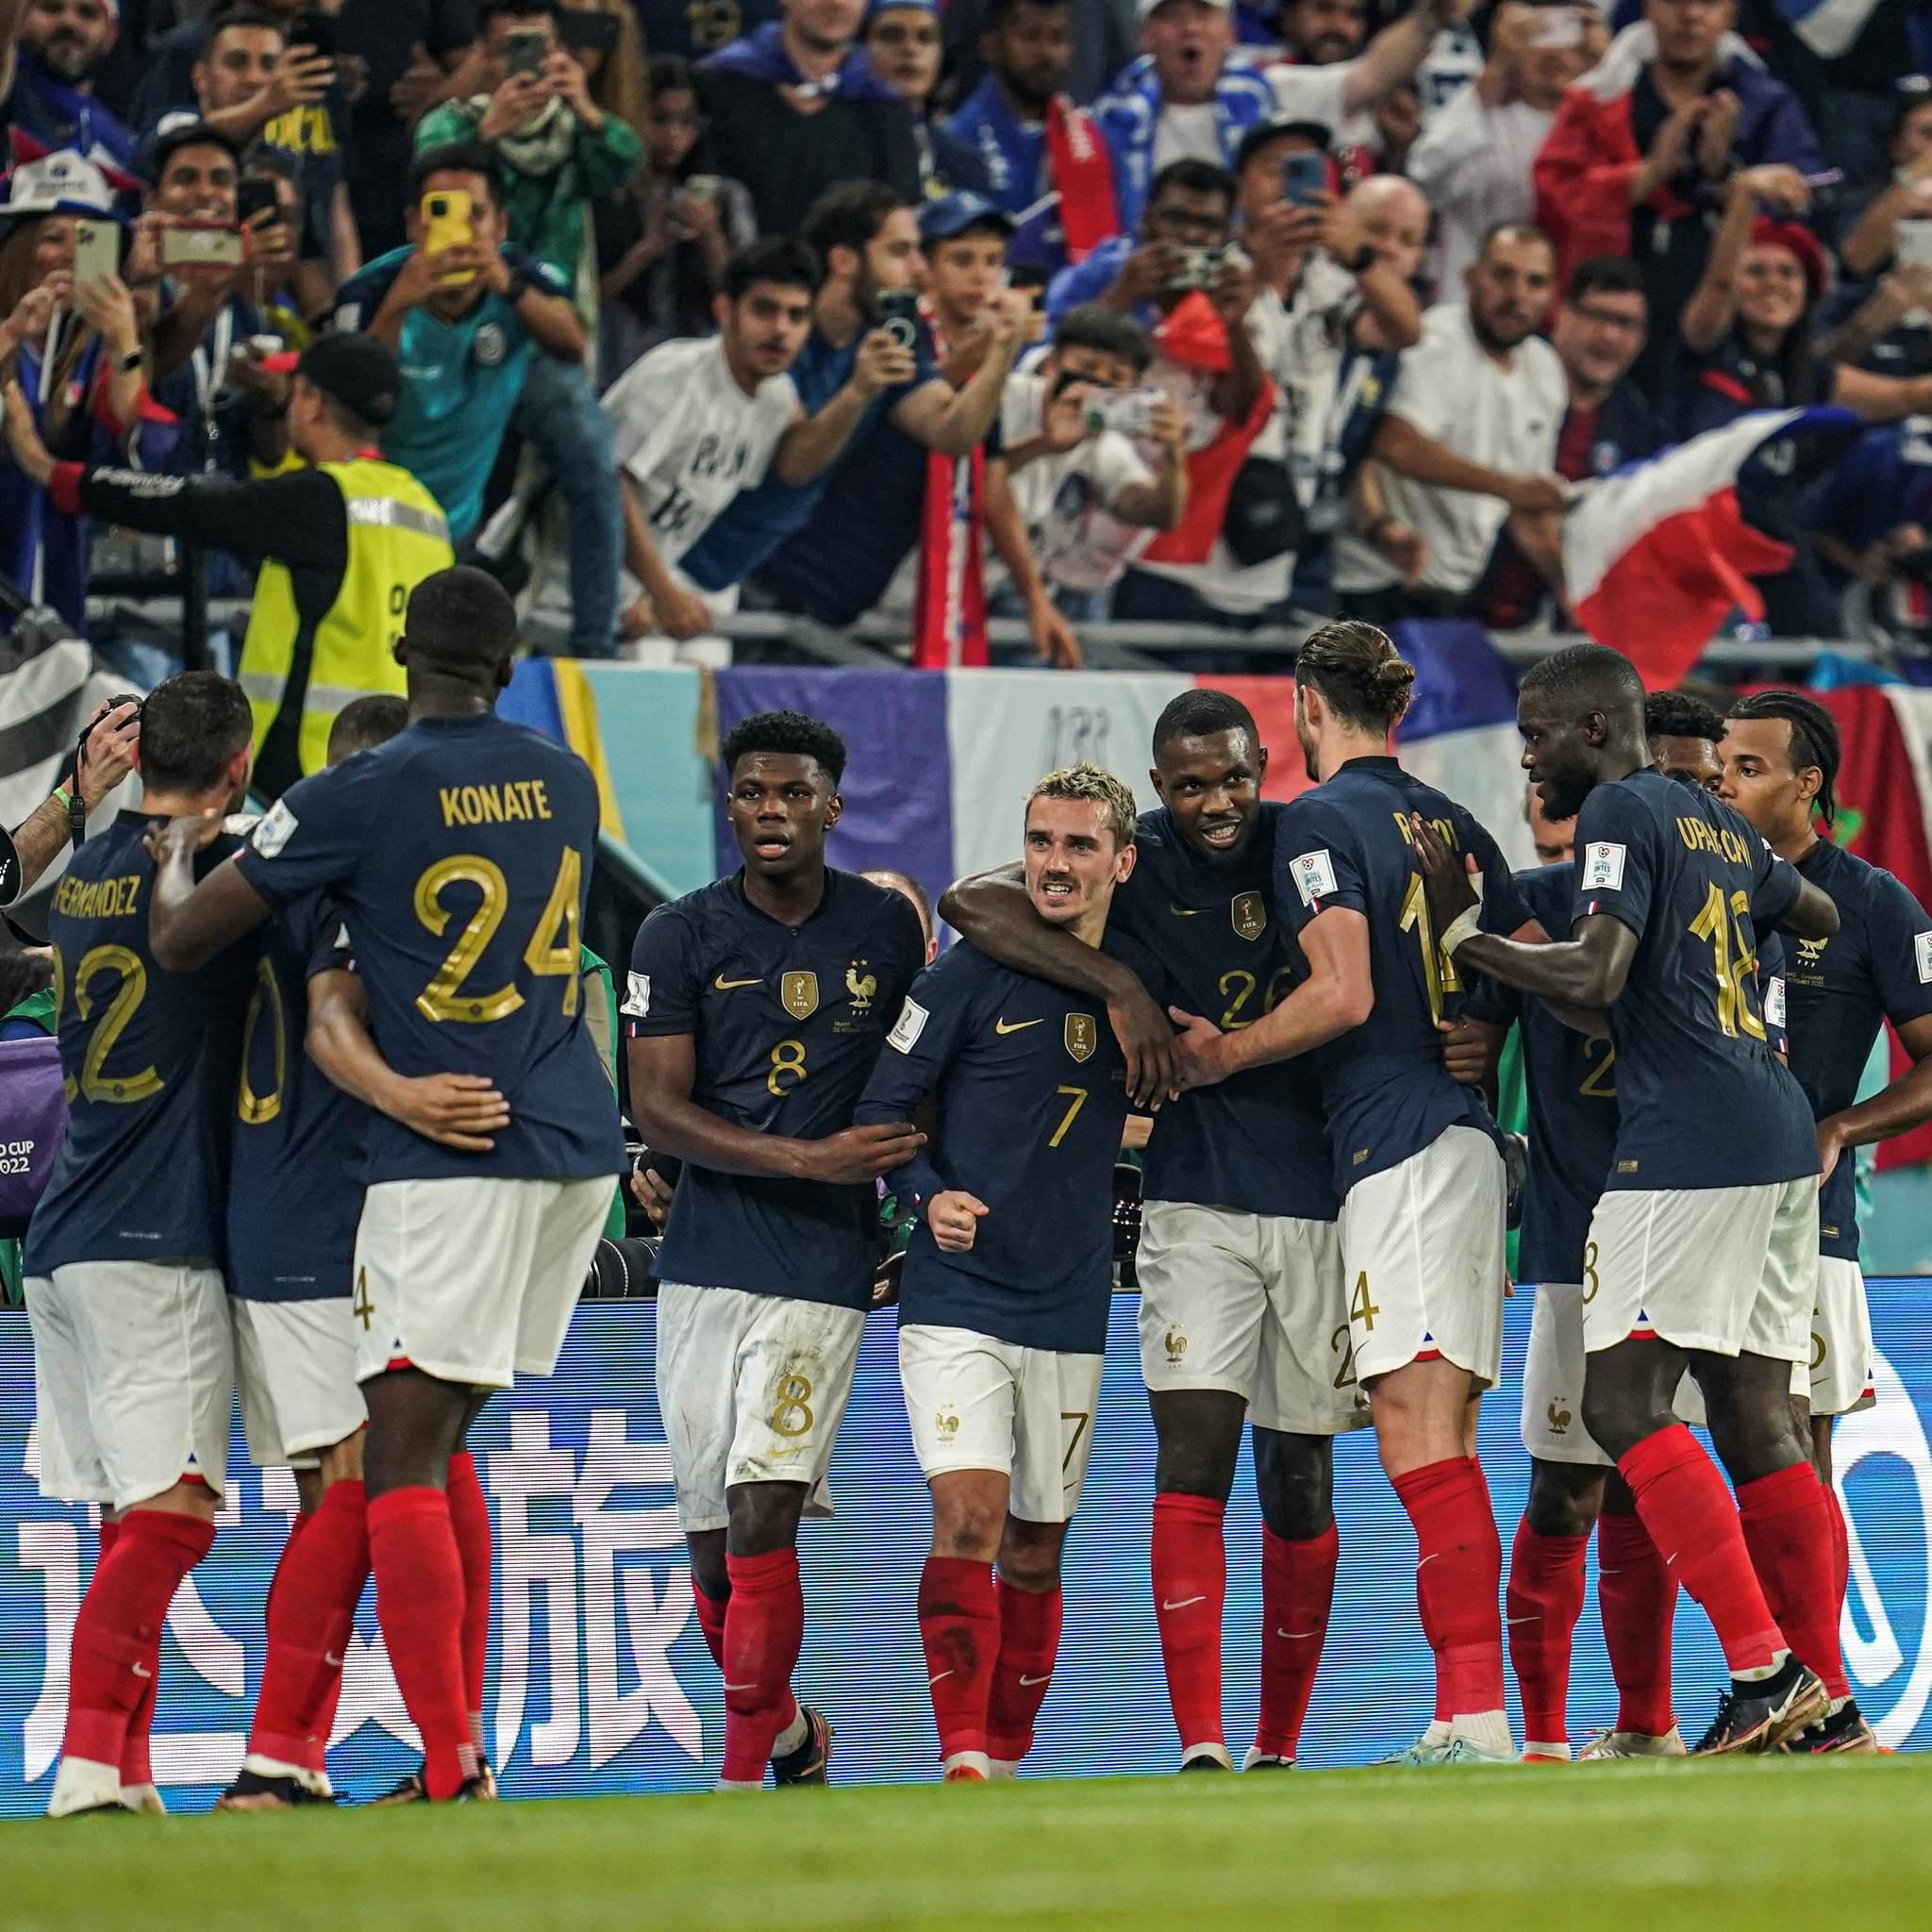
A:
(599, 1678)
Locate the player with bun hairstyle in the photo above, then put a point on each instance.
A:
(1416, 1160)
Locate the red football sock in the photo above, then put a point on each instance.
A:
(764, 1626)
(419, 1604)
(1688, 1513)
(1029, 1642)
(1841, 1545)
(469, 1517)
(1190, 1565)
(1297, 1592)
(960, 1627)
(1458, 1577)
(117, 1635)
(1542, 1602)
(710, 1611)
(1787, 1527)
(1637, 1596)
(136, 1767)
(312, 1609)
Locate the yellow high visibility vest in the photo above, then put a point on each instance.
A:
(398, 536)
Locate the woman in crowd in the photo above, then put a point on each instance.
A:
(663, 238)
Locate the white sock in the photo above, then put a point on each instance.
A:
(1487, 1730)
(792, 1736)
(1440, 1731)
(142, 1798)
(1534, 1750)
(1217, 1752)
(1000, 1770)
(972, 1760)
(1779, 1659)
(739, 1784)
(80, 1784)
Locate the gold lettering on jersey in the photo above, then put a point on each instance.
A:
(1082, 1035)
(861, 985)
(98, 898)
(494, 805)
(1444, 829)
(798, 992)
(1719, 840)
(1249, 911)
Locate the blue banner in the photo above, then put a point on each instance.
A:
(600, 1680)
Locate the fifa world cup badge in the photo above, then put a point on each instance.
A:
(799, 994)
(1249, 913)
(1082, 1035)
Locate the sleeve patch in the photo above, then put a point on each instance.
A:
(909, 1025)
(1921, 948)
(637, 998)
(1603, 867)
(277, 829)
(1774, 1002)
(1313, 873)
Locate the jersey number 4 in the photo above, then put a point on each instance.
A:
(553, 952)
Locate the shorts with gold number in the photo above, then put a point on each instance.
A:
(295, 1373)
(1729, 1270)
(134, 1378)
(1841, 1341)
(472, 1279)
(1254, 1303)
(978, 1403)
(1423, 1259)
(750, 1388)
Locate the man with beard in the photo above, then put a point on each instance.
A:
(1045, 160)
(1703, 1248)
(50, 52)
(798, 107)
(1243, 1310)
(1470, 436)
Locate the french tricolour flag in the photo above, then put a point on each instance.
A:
(1659, 552)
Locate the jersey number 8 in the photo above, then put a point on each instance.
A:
(553, 952)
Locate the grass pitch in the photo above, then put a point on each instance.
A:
(1638, 1848)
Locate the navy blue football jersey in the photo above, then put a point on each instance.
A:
(1572, 1084)
(787, 1020)
(1703, 1100)
(458, 854)
(1031, 1100)
(150, 1061)
(1350, 842)
(1258, 1142)
(1837, 991)
(296, 1192)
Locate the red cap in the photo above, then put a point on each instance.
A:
(1799, 240)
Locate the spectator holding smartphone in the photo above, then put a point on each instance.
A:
(466, 314)
(74, 347)
(664, 237)
(554, 151)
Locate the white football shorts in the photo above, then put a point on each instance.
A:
(1254, 1303)
(751, 1389)
(1841, 1341)
(472, 1280)
(295, 1373)
(134, 1379)
(978, 1402)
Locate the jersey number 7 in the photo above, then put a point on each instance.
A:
(552, 951)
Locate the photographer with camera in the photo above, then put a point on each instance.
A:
(103, 757)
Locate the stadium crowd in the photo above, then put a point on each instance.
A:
(1190, 313)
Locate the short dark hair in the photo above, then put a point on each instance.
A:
(1522, 231)
(1815, 740)
(771, 259)
(669, 74)
(999, 13)
(1203, 713)
(365, 723)
(848, 215)
(191, 726)
(488, 11)
(242, 16)
(1589, 676)
(454, 158)
(1680, 714)
(189, 134)
(1195, 177)
(461, 618)
(22, 974)
(1107, 332)
(1358, 669)
(1606, 274)
(791, 734)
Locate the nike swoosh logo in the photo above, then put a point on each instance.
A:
(1183, 1604)
(1026, 1683)
(740, 1687)
(1185, 912)
(725, 985)
(1018, 1025)
(333, 1661)
(141, 1671)
(1429, 1558)
(939, 1680)
(1295, 1636)
(1534, 1617)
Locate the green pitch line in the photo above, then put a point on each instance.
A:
(1638, 1848)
